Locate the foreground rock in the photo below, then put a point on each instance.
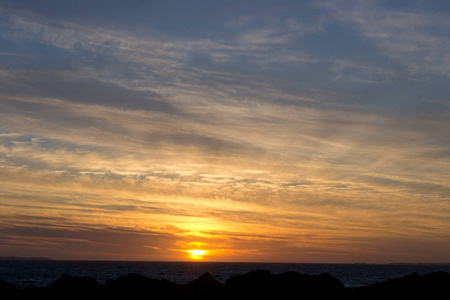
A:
(257, 284)
(290, 285)
(204, 287)
(136, 286)
(7, 289)
(414, 286)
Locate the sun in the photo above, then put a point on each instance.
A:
(196, 254)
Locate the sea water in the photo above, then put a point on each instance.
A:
(30, 273)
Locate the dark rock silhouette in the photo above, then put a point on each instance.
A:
(6, 286)
(264, 285)
(206, 280)
(7, 290)
(71, 287)
(257, 284)
(204, 287)
(134, 286)
(414, 286)
(66, 282)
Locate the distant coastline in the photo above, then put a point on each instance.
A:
(23, 258)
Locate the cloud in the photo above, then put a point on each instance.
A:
(412, 38)
(244, 138)
(102, 244)
(69, 86)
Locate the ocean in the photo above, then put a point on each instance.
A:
(36, 273)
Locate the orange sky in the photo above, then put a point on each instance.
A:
(302, 132)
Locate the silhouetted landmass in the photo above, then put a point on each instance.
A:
(264, 285)
(23, 258)
(429, 286)
(134, 285)
(258, 284)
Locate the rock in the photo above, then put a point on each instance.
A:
(73, 283)
(7, 290)
(6, 286)
(73, 287)
(264, 285)
(204, 287)
(259, 284)
(136, 286)
(413, 286)
(253, 279)
(206, 280)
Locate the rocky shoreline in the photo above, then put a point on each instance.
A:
(258, 284)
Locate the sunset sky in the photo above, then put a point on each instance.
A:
(262, 131)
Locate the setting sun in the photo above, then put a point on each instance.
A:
(197, 254)
(230, 132)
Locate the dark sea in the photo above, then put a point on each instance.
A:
(31, 273)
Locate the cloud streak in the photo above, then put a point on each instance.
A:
(414, 38)
(253, 139)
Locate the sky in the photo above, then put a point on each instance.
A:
(250, 131)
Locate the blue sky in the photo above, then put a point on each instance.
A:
(300, 131)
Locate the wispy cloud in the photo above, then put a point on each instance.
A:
(245, 141)
(413, 38)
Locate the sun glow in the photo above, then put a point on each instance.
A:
(196, 254)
